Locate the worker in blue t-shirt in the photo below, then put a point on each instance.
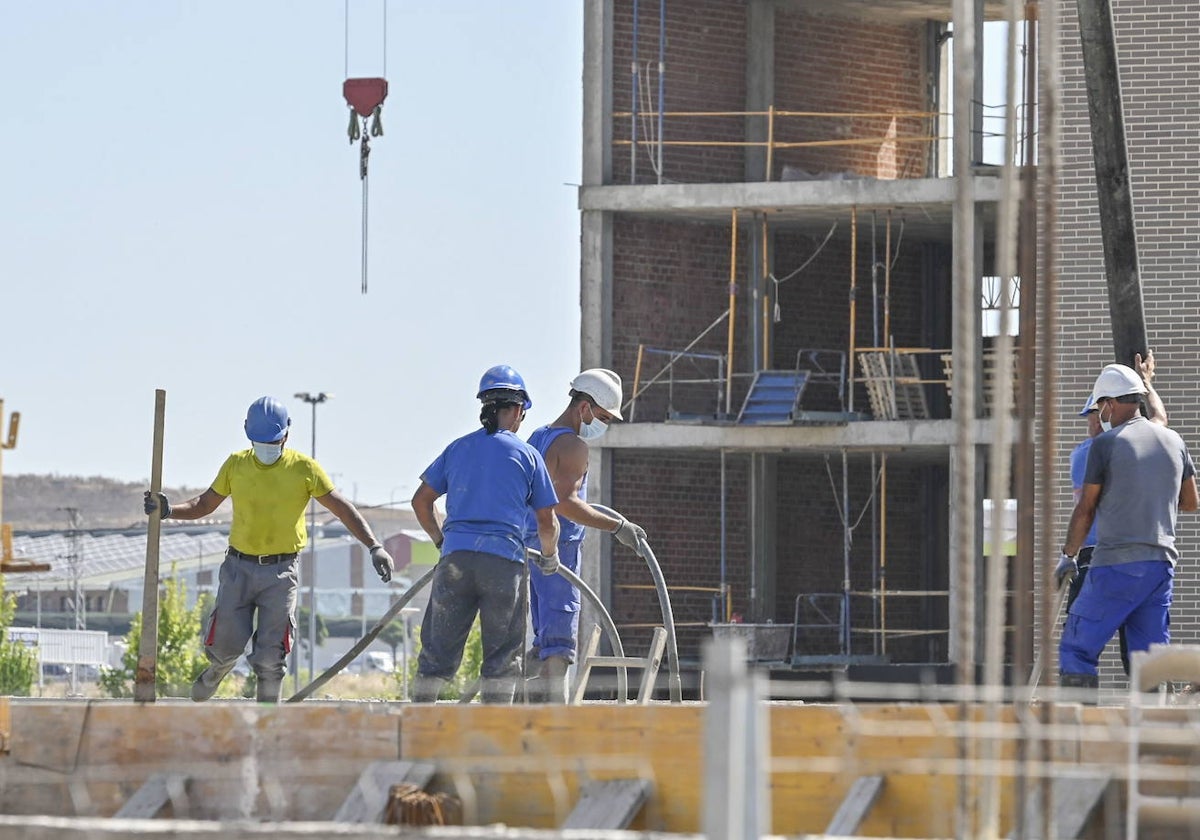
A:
(553, 600)
(491, 480)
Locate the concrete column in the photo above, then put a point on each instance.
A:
(760, 81)
(763, 515)
(595, 291)
(965, 341)
(597, 91)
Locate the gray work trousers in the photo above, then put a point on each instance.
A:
(466, 583)
(246, 588)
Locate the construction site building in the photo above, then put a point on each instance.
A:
(769, 191)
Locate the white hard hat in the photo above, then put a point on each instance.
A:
(1117, 381)
(603, 386)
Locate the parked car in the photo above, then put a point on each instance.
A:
(55, 671)
(374, 662)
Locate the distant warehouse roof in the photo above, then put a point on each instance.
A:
(110, 557)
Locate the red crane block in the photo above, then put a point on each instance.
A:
(365, 95)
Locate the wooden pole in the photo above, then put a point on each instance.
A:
(1113, 190)
(147, 662)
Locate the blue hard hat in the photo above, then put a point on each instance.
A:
(502, 378)
(267, 420)
(1090, 405)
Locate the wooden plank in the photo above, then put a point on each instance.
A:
(854, 807)
(1075, 799)
(368, 799)
(145, 688)
(658, 644)
(609, 804)
(148, 800)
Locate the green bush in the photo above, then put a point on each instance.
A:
(18, 664)
(180, 655)
(468, 671)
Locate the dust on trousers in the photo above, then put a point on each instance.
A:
(466, 583)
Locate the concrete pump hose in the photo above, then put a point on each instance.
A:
(362, 643)
(606, 622)
(664, 601)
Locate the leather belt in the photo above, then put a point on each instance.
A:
(262, 559)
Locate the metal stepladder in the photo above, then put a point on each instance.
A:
(649, 664)
(1164, 742)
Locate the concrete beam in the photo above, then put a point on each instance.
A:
(865, 436)
(719, 199)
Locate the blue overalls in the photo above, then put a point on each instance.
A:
(553, 601)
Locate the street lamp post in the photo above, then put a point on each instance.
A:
(314, 400)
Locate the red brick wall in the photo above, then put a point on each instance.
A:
(676, 497)
(831, 65)
(705, 71)
(822, 64)
(670, 281)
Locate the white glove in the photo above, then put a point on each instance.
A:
(382, 561)
(548, 563)
(629, 534)
(1066, 570)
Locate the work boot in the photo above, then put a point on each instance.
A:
(554, 677)
(1083, 688)
(207, 683)
(426, 689)
(498, 690)
(268, 690)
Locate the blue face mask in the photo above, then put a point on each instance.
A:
(267, 453)
(590, 431)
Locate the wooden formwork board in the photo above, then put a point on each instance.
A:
(523, 766)
(514, 758)
(76, 758)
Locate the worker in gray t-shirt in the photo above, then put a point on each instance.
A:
(1139, 476)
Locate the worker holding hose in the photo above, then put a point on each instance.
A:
(554, 602)
(492, 480)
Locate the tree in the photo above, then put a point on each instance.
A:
(180, 655)
(393, 636)
(18, 664)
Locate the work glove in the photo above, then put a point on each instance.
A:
(547, 563)
(162, 505)
(1066, 570)
(629, 534)
(382, 561)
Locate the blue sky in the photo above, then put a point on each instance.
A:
(180, 209)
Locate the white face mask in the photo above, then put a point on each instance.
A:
(1106, 425)
(267, 453)
(590, 431)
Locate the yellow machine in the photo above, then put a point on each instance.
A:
(8, 563)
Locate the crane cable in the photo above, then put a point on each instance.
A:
(367, 130)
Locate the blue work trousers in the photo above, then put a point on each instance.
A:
(1136, 596)
(466, 583)
(554, 607)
